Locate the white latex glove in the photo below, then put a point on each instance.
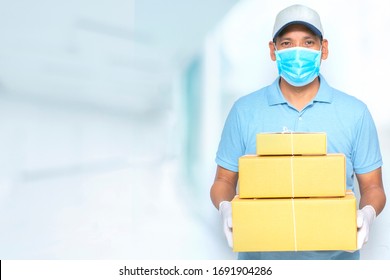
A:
(225, 209)
(365, 218)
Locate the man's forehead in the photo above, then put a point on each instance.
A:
(297, 28)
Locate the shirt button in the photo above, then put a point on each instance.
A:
(300, 118)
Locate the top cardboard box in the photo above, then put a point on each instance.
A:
(291, 143)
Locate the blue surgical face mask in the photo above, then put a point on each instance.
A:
(298, 66)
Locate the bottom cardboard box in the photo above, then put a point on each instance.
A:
(299, 224)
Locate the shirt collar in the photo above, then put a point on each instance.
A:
(275, 96)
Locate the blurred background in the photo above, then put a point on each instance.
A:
(111, 113)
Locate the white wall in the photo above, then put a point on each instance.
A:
(91, 130)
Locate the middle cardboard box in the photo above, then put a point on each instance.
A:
(292, 176)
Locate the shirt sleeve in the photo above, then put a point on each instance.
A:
(231, 146)
(366, 155)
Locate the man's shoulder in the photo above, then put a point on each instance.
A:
(254, 98)
(341, 98)
(345, 99)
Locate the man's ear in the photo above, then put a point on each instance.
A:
(272, 50)
(325, 49)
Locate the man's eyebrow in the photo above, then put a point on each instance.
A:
(283, 38)
(310, 37)
(304, 38)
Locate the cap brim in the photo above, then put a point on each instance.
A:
(308, 25)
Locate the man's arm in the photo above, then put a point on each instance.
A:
(224, 186)
(371, 190)
(372, 202)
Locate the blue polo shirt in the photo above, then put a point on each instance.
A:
(346, 120)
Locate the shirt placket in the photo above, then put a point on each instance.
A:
(299, 122)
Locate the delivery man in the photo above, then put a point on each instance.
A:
(301, 100)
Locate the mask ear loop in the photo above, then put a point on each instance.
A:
(275, 49)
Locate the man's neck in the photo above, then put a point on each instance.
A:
(299, 97)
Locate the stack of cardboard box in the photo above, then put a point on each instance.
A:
(292, 197)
